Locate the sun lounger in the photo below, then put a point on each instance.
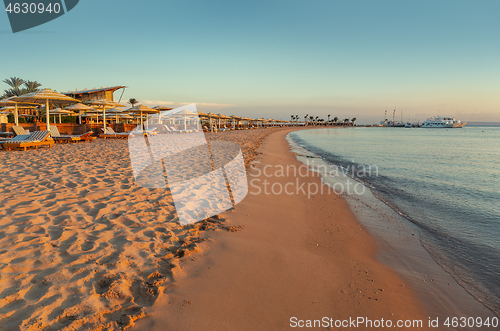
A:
(18, 130)
(87, 136)
(54, 132)
(110, 133)
(14, 139)
(34, 139)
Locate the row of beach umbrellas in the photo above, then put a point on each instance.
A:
(47, 96)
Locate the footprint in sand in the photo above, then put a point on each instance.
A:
(102, 285)
(83, 192)
(95, 211)
(150, 234)
(70, 184)
(56, 233)
(143, 294)
(87, 245)
(34, 229)
(60, 219)
(37, 290)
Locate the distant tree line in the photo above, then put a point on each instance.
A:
(315, 120)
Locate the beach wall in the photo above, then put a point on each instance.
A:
(69, 128)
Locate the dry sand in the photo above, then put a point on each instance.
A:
(295, 257)
(82, 247)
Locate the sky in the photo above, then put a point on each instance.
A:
(274, 58)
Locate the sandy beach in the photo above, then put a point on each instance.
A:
(82, 247)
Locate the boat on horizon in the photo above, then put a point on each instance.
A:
(442, 122)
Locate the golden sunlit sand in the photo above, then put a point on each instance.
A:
(81, 245)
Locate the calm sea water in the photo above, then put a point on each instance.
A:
(445, 181)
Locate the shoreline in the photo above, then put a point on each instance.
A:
(282, 265)
(404, 251)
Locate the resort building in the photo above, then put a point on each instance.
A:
(95, 93)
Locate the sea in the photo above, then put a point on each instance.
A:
(445, 182)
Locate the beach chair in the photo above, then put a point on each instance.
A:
(20, 137)
(54, 133)
(110, 133)
(18, 130)
(34, 139)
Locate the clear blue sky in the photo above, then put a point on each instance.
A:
(274, 58)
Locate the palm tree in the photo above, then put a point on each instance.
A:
(32, 86)
(133, 101)
(335, 120)
(346, 120)
(15, 83)
(311, 119)
(328, 118)
(352, 120)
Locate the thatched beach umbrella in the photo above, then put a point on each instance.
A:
(104, 104)
(224, 117)
(161, 108)
(214, 116)
(235, 119)
(80, 107)
(115, 111)
(185, 114)
(126, 116)
(141, 109)
(59, 111)
(44, 96)
(15, 106)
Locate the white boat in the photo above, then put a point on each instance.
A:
(408, 125)
(442, 122)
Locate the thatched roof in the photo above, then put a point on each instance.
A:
(43, 95)
(142, 109)
(105, 103)
(80, 107)
(10, 101)
(162, 108)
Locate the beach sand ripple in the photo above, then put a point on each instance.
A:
(81, 245)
